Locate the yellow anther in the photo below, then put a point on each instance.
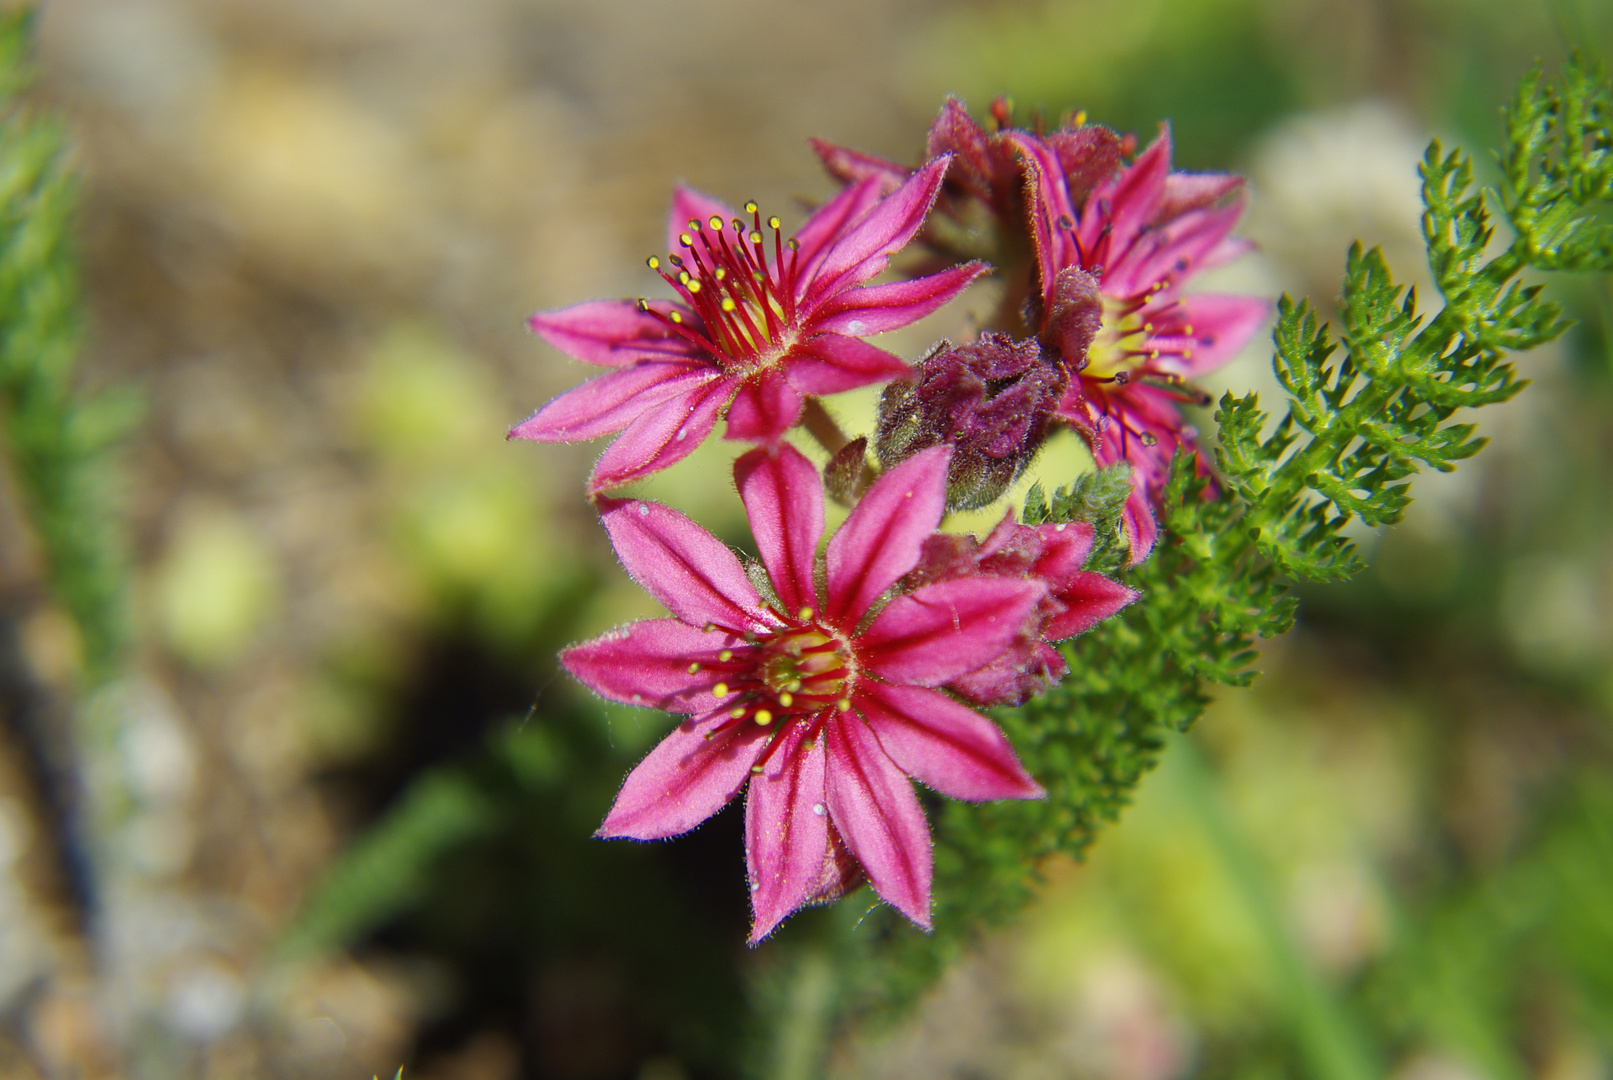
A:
(1080, 118)
(750, 206)
(737, 713)
(755, 237)
(716, 222)
(720, 690)
(773, 222)
(1187, 354)
(793, 244)
(694, 223)
(1148, 328)
(1188, 330)
(786, 700)
(675, 317)
(683, 238)
(806, 614)
(728, 303)
(694, 286)
(643, 304)
(793, 686)
(726, 655)
(763, 717)
(844, 704)
(722, 273)
(694, 668)
(653, 263)
(683, 277)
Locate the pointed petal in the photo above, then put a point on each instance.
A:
(662, 436)
(841, 872)
(947, 746)
(850, 166)
(683, 566)
(687, 204)
(1089, 599)
(611, 401)
(1129, 201)
(684, 780)
(1186, 191)
(1220, 326)
(1065, 547)
(873, 806)
(647, 663)
(956, 132)
(1087, 155)
(882, 538)
(1141, 528)
(786, 831)
(820, 230)
(862, 251)
(1048, 208)
(874, 309)
(941, 631)
(1172, 252)
(610, 333)
(764, 409)
(783, 498)
(831, 363)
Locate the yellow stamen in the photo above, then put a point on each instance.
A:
(786, 700)
(763, 717)
(694, 668)
(720, 690)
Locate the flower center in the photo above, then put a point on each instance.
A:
(1121, 345)
(793, 674)
(744, 297)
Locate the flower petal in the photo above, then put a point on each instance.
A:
(661, 436)
(1221, 327)
(786, 831)
(647, 663)
(1049, 210)
(1088, 599)
(691, 205)
(1065, 547)
(783, 497)
(683, 566)
(1125, 204)
(882, 538)
(831, 363)
(684, 780)
(872, 804)
(862, 251)
(947, 746)
(1141, 528)
(611, 401)
(764, 409)
(850, 166)
(820, 230)
(874, 309)
(611, 333)
(944, 630)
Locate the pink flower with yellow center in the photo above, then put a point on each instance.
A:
(819, 701)
(1113, 310)
(758, 324)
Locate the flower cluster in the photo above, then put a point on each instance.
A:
(823, 680)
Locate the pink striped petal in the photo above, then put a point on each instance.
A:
(611, 333)
(874, 309)
(882, 538)
(1186, 191)
(1050, 209)
(1089, 599)
(611, 401)
(850, 166)
(872, 804)
(1065, 547)
(956, 132)
(831, 363)
(683, 566)
(936, 633)
(684, 780)
(863, 250)
(662, 436)
(1221, 327)
(764, 409)
(1141, 528)
(786, 830)
(647, 663)
(1170, 252)
(817, 234)
(689, 204)
(783, 499)
(947, 746)
(1124, 205)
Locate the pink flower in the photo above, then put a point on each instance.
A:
(755, 327)
(1138, 238)
(817, 700)
(1076, 600)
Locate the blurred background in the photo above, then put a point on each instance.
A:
(341, 799)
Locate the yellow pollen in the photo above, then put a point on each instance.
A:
(750, 206)
(1188, 330)
(643, 304)
(845, 704)
(794, 686)
(806, 614)
(737, 713)
(725, 655)
(683, 277)
(1148, 328)
(694, 223)
(728, 303)
(653, 263)
(694, 286)
(694, 668)
(755, 237)
(1081, 117)
(720, 690)
(773, 222)
(722, 273)
(683, 238)
(763, 717)
(786, 700)
(675, 317)
(716, 222)
(793, 244)
(1187, 354)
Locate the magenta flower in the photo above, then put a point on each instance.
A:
(820, 699)
(1124, 257)
(755, 326)
(1075, 601)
